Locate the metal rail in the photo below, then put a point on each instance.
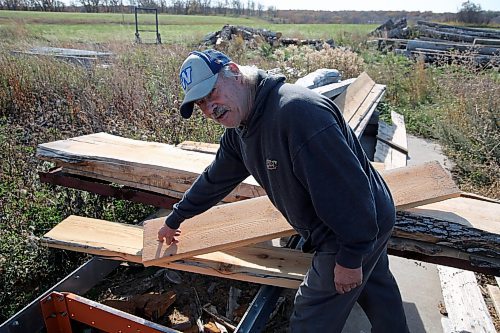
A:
(60, 310)
(30, 318)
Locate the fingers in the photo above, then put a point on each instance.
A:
(168, 235)
(345, 288)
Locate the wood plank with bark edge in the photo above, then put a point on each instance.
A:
(261, 263)
(256, 220)
(477, 213)
(148, 163)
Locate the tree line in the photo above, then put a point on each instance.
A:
(470, 13)
(178, 7)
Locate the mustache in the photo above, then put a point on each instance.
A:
(218, 111)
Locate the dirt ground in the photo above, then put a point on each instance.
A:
(122, 287)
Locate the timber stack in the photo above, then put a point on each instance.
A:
(253, 37)
(440, 43)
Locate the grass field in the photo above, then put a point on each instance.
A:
(105, 27)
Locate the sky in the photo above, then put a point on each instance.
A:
(437, 6)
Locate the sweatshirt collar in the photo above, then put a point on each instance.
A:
(265, 83)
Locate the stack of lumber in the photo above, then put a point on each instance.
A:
(392, 30)
(446, 43)
(411, 187)
(254, 37)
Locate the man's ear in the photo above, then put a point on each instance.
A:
(234, 69)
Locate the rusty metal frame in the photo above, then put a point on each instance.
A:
(60, 309)
(57, 176)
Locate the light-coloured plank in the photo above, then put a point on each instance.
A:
(467, 311)
(363, 113)
(395, 134)
(334, 89)
(259, 264)
(256, 220)
(350, 100)
(148, 163)
(494, 292)
(222, 227)
(390, 157)
(202, 147)
(256, 263)
(392, 144)
(360, 126)
(479, 214)
(418, 185)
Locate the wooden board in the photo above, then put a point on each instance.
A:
(362, 115)
(360, 125)
(255, 220)
(481, 214)
(259, 264)
(351, 99)
(467, 311)
(395, 134)
(494, 292)
(202, 147)
(390, 157)
(211, 148)
(420, 184)
(222, 227)
(334, 89)
(392, 144)
(148, 164)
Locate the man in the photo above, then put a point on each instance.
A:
(297, 145)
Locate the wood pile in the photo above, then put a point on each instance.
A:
(390, 29)
(436, 43)
(171, 170)
(253, 37)
(411, 187)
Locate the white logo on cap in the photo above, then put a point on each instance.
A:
(186, 77)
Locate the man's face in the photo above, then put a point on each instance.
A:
(227, 104)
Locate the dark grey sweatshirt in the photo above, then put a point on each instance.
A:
(298, 147)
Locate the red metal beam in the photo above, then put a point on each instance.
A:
(58, 177)
(60, 308)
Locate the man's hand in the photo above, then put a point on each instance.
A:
(170, 235)
(347, 279)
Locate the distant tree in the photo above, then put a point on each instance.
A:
(237, 6)
(260, 9)
(145, 3)
(90, 6)
(471, 13)
(272, 11)
(12, 4)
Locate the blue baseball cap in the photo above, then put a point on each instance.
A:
(198, 76)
